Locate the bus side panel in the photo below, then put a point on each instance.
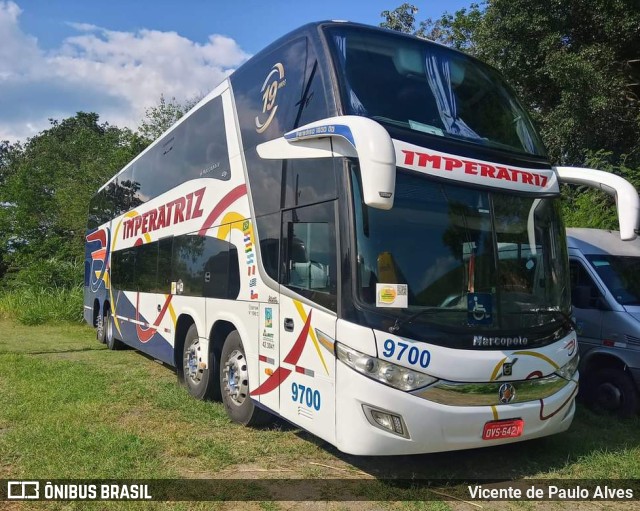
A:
(307, 386)
(96, 270)
(140, 325)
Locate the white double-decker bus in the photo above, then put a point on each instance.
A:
(358, 231)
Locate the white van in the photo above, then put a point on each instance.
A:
(605, 290)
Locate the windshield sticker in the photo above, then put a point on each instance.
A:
(392, 295)
(600, 263)
(426, 128)
(479, 307)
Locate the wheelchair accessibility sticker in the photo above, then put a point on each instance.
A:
(479, 308)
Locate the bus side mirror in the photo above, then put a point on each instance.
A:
(352, 136)
(627, 201)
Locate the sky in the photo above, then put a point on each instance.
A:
(116, 58)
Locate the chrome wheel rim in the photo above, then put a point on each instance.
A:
(100, 327)
(109, 327)
(235, 378)
(192, 363)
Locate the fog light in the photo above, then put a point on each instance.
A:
(385, 420)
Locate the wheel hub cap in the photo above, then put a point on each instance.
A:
(236, 378)
(191, 363)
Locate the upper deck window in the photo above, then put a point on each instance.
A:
(429, 88)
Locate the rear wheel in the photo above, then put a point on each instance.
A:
(201, 382)
(100, 329)
(110, 331)
(612, 391)
(234, 384)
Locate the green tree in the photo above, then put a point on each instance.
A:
(456, 30)
(401, 19)
(48, 184)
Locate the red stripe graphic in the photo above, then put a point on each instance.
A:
(273, 382)
(224, 203)
(100, 236)
(280, 374)
(296, 351)
(146, 335)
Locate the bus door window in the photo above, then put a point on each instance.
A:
(310, 261)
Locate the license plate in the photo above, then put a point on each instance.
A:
(503, 429)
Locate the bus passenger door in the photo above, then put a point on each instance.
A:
(307, 331)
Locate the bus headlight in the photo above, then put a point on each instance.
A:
(385, 372)
(568, 370)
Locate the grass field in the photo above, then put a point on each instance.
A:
(69, 408)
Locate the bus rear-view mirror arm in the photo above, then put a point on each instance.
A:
(372, 144)
(627, 201)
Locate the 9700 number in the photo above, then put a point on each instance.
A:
(305, 396)
(402, 351)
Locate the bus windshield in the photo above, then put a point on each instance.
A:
(428, 88)
(464, 257)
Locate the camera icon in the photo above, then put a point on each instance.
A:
(23, 490)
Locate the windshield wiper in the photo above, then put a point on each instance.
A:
(550, 310)
(427, 310)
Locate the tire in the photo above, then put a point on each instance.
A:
(234, 385)
(611, 390)
(110, 333)
(200, 383)
(100, 329)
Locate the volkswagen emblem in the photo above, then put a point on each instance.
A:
(506, 393)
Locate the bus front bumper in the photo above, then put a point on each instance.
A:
(428, 426)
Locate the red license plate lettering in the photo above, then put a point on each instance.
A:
(496, 430)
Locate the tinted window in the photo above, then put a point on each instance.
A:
(197, 148)
(204, 266)
(165, 248)
(421, 86)
(123, 269)
(580, 278)
(310, 261)
(269, 234)
(146, 267)
(201, 266)
(216, 269)
(314, 101)
(189, 258)
(268, 91)
(309, 181)
(621, 275)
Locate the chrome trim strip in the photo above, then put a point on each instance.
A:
(487, 394)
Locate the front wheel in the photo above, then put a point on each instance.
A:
(234, 384)
(612, 390)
